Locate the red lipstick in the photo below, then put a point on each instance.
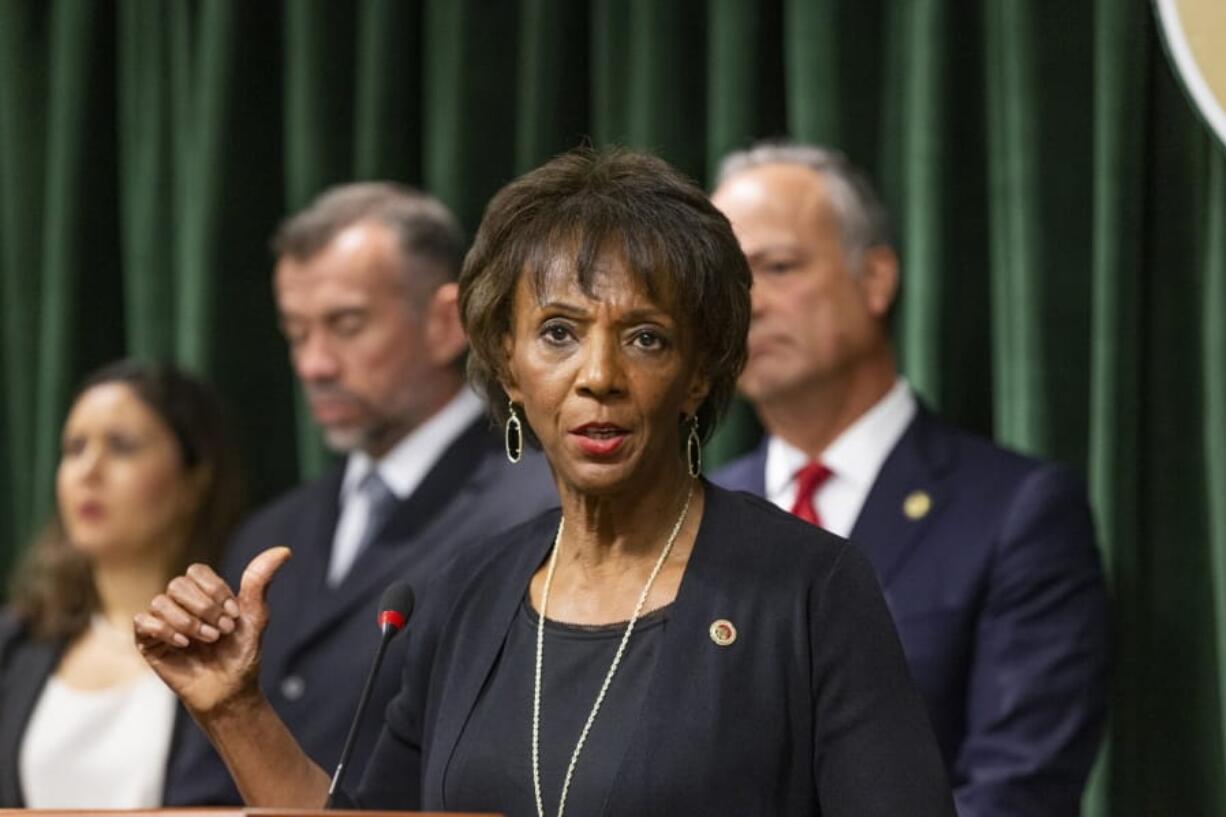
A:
(599, 439)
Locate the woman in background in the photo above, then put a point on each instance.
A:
(148, 482)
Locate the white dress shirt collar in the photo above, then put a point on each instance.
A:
(402, 469)
(407, 463)
(854, 457)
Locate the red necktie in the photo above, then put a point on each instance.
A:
(808, 480)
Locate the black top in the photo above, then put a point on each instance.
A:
(492, 766)
(807, 712)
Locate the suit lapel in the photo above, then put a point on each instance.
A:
(907, 496)
(311, 540)
(488, 616)
(451, 478)
(746, 473)
(29, 668)
(757, 470)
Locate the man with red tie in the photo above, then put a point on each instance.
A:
(987, 558)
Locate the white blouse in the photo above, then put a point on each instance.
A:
(99, 748)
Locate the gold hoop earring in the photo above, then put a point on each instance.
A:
(514, 435)
(693, 448)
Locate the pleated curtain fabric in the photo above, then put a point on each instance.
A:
(1060, 209)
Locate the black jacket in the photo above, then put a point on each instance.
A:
(809, 711)
(25, 665)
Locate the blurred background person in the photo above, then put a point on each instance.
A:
(148, 482)
(366, 294)
(987, 558)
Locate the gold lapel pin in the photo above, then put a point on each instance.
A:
(722, 632)
(917, 505)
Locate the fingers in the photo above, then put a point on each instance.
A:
(151, 630)
(205, 597)
(196, 606)
(182, 621)
(215, 588)
(256, 577)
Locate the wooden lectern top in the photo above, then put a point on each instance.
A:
(229, 811)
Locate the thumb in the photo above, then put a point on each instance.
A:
(259, 573)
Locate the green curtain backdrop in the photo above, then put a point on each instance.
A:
(1060, 208)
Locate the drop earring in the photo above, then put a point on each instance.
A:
(514, 435)
(693, 448)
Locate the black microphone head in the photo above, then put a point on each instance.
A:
(395, 605)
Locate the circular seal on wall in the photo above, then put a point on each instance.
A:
(1194, 34)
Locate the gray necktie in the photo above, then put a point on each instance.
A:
(381, 502)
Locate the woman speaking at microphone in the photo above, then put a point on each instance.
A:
(657, 645)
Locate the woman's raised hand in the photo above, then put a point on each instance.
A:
(202, 639)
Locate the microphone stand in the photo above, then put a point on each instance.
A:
(388, 632)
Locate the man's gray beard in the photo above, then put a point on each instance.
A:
(348, 440)
(345, 440)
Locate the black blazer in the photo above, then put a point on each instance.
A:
(320, 640)
(809, 711)
(25, 665)
(998, 596)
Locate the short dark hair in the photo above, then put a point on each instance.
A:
(53, 588)
(425, 229)
(588, 204)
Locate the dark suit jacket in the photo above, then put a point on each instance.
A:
(320, 640)
(998, 597)
(25, 665)
(810, 710)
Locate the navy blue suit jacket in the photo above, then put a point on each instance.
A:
(809, 711)
(25, 665)
(320, 640)
(998, 597)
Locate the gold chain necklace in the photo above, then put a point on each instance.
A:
(608, 678)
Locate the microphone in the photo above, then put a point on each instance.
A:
(395, 605)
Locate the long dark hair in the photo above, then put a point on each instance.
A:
(53, 589)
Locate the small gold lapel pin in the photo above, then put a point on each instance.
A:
(917, 505)
(722, 632)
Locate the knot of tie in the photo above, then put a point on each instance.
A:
(808, 480)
